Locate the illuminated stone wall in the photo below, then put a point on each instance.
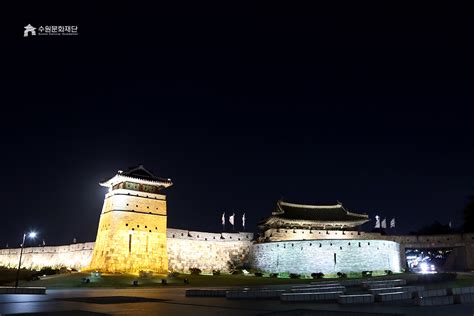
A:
(206, 251)
(76, 256)
(210, 251)
(185, 249)
(132, 233)
(326, 256)
(307, 234)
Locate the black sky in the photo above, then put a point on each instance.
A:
(240, 108)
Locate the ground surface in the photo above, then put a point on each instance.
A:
(74, 280)
(67, 295)
(171, 301)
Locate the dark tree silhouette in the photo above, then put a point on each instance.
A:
(436, 228)
(469, 215)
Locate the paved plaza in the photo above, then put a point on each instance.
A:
(172, 301)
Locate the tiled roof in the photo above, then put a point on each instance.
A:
(302, 215)
(141, 172)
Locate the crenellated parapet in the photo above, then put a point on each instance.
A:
(205, 236)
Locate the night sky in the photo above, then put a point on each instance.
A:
(239, 108)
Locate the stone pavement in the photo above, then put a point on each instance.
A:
(172, 301)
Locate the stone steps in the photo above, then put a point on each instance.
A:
(356, 299)
(384, 283)
(409, 289)
(252, 294)
(319, 289)
(431, 293)
(394, 296)
(463, 298)
(461, 290)
(205, 293)
(299, 297)
(325, 283)
(22, 290)
(434, 300)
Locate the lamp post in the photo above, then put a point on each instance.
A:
(30, 235)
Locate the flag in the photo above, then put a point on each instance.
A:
(243, 221)
(450, 225)
(223, 218)
(231, 219)
(377, 221)
(44, 243)
(384, 223)
(392, 223)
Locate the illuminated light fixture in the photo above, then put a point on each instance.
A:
(31, 235)
(424, 267)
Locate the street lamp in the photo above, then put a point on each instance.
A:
(31, 235)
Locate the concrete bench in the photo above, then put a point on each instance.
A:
(464, 298)
(394, 296)
(434, 300)
(205, 293)
(325, 282)
(315, 284)
(431, 293)
(356, 299)
(299, 297)
(394, 281)
(250, 294)
(409, 289)
(372, 285)
(22, 290)
(461, 290)
(311, 285)
(319, 289)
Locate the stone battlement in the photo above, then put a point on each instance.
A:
(186, 249)
(74, 256)
(306, 234)
(196, 235)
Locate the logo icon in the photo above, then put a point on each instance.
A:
(29, 29)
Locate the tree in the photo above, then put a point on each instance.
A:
(436, 228)
(469, 215)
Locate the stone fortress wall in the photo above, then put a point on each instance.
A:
(76, 256)
(326, 256)
(207, 251)
(214, 251)
(306, 234)
(462, 244)
(186, 249)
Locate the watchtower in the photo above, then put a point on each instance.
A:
(132, 227)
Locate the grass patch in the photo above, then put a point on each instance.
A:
(74, 280)
(9, 275)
